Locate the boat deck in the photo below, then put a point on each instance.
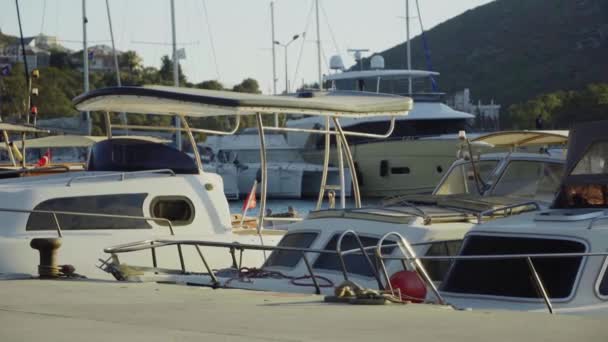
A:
(40, 310)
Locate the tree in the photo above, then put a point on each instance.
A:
(249, 85)
(166, 71)
(131, 61)
(211, 84)
(13, 93)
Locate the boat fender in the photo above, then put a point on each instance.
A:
(409, 286)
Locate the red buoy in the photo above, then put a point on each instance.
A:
(410, 285)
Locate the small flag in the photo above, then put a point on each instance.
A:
(5, 70)
(45, 160)
(91, 54)
(250, 200)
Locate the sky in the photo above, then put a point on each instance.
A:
(230, 40)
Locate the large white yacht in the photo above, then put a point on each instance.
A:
(421, 146)
(134, 189)
(289, 176)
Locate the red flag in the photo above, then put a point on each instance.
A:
(45, 160)
(250, 201)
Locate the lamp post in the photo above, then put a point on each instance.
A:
(276, 42)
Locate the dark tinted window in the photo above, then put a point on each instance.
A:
(604, 283)
(438, 268)
(512, 277)
(178, 210)
(127, 204)
(289, 258)
(123, 155)
(355, 263)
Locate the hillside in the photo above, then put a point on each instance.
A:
(514, 50)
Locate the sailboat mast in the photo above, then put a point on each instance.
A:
(178, 134)
(408, 45)
(85, 63)
(123, 116)
(274, 61)
(319, 46)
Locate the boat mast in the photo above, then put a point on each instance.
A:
(123, 116)
(319, 46)
(178, 134)
(85, 64)
(274, 61)
(408, 45)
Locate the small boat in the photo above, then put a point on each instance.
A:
(134, 189)
(322, 251)
(554, 260)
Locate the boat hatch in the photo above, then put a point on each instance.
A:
(511, 277)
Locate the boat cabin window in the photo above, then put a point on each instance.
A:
(355, 263)
(512, 277)
(177, 209)
(527, 178)
(123, 204)
(437, 269)
(461, 178)
(595, 160)
(289, 258)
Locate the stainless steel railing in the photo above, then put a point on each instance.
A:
(122, 175)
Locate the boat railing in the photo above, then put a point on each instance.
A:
(508, 209)
(409, 256)
(64, 168)
(122, 175)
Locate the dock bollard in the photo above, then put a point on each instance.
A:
(47, 247)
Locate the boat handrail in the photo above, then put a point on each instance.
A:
(508, 208)
(122, 175)
(365, 255)
(604, 216)
(54, 213)
(35, 170)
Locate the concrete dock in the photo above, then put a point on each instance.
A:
(39, 310)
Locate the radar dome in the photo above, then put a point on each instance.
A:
(335, 63)
(377, 62)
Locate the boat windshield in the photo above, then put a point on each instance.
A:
(528, 178)
(594, 162)
(461, 179)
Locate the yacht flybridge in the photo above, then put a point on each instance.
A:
(134, 189)
(418, 148)
(322, 251)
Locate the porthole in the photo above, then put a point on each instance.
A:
(439, 169)
(177, 209)
(403, 170)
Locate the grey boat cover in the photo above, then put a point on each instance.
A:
(202, 103)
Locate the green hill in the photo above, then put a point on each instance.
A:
(514, 50)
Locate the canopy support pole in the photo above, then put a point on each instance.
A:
(8, 148)
(263, 172)
(325, 165)
(197, 156)
(108, 125)
(351, 163)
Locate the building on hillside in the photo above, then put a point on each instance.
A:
(37, 51)
(101, 58)
(487, 116)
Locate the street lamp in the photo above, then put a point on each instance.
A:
(293, 39)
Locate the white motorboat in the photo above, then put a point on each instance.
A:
(289, 176)
(555, 260)
(319, 252)
(136, 189)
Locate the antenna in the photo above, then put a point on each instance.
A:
(358, 54)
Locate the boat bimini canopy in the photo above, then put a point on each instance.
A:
(523, 138)
(14, 128)
(203, 103)
(191, 102)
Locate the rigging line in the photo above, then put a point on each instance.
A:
(142, 42)
(427, 51)
(43, 16)
(211, 40)
(331, 32)
(308, 21)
